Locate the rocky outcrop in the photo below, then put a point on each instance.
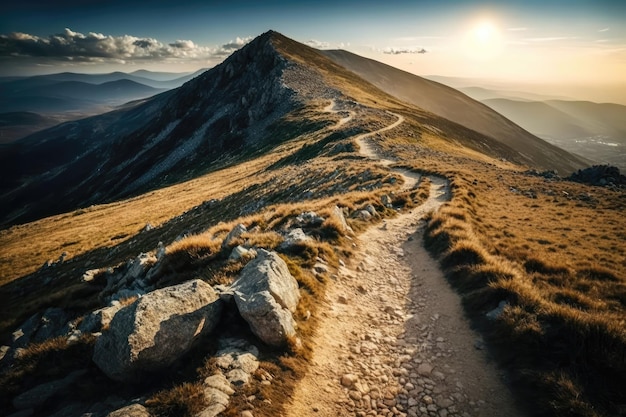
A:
(131, 279)
(157, 329)
(99, 319)
(600, 175)
(266, 295)
(40, 327)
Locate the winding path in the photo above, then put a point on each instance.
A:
(393, 340)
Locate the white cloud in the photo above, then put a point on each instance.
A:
(317, 44)
(393, 50)
(604, 30)
(97, 47)
(517, 29)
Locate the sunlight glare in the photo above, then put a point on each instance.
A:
(483, 40)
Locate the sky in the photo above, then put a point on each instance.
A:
(568, 42)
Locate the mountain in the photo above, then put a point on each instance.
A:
(148, 78)
(595, 130)
(240, 107)
(161, 76)
(73, 95)
(457, 107)
(15, 125)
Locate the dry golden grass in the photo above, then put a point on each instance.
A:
(558, 258)
(184, 400)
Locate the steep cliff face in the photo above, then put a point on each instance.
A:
(219, 115)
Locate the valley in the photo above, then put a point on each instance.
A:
(441, 268)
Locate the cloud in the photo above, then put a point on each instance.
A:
(317, 44)
(551, 39)
(519, 29)
(97, 47)
(391, 50)
(604, 30)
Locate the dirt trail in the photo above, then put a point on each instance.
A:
(393, 340)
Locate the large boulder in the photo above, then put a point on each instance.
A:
(157, 329)
(266, 295)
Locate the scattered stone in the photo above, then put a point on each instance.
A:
(424, 369)
(89, 275)
(239, 252)
(217, 392)
(338, 214)
(99, 319)
(134, 410)
(157, 329)
(294, 237)
(308, 219)
(497, 312)
(234, 234)
(363, 215)
(371, 210)
(348, 380)
(386, 200)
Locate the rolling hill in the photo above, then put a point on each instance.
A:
(597, 131)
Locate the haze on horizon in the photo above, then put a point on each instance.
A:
(575, 48)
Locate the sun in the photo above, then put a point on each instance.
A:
(484, 32)
(483, 40)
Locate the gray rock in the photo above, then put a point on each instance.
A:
(371, 210)
(217, 392)
(140, 265)
(363, 215)
(497, 312)
(308, 219)
(96, 320)
(157, 329)
(240, 252)
(23, 334)
(338, 214)
(134, 410)
(294, 237)
(268, 320)
(266, 294)
(38, 395)
(237, 359)
(386, 200)
(235, 233)
(268, 272)
(51, 324)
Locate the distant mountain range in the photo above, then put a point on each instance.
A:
(251, 102)
(67, 96)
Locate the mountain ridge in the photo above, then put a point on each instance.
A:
(231, 110)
